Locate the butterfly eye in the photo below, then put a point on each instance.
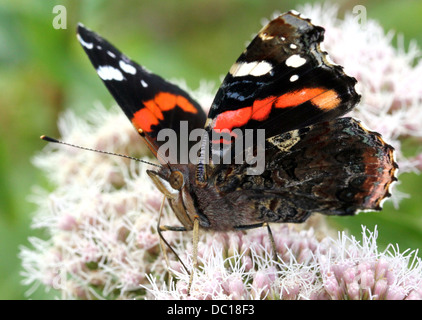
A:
(176, 180)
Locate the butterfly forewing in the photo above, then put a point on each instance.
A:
(150, 102)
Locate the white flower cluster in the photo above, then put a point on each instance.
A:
(100, 218)
(342, 269)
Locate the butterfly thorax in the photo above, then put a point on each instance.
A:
(213, 201)
(173, 182)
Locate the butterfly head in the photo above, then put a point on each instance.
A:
(174, 184)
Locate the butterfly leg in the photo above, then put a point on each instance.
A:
(274, 248)
(270, 235)
(163, 241)
(195, 250)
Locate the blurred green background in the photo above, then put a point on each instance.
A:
(43, 71)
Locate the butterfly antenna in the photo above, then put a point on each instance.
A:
(49, 139)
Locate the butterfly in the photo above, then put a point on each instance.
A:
(312, 160)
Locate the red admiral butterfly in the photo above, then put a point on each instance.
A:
(283, 83)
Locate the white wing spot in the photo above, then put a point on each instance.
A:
(293, 46)
(294, 77)
(144, 84)
(109, 73)
(256, 68)
(88, 45)
(111, 54)
(295, 61)
(126, 67)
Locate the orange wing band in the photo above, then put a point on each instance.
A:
(153, 109)
(260, 110)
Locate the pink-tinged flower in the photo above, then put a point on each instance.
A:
(380, 289)
(101, 217)
(348, 269)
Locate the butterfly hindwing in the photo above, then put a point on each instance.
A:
(150, 102)
(335, 168)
